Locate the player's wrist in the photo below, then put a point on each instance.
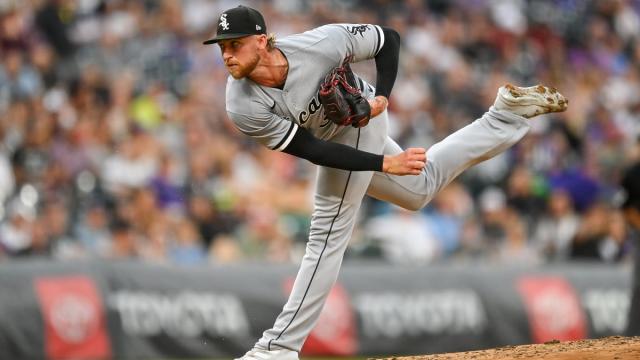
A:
(387, 164)
(382, 100)
(378, 105)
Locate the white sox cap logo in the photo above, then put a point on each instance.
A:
(246, 21)
(223, 22)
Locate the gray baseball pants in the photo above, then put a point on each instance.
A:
(339, 194)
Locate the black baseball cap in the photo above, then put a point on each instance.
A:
(631, 185)
(238, 22)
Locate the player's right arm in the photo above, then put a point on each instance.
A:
(326, 153)
(251, 112)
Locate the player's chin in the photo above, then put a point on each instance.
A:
(236, 75)
(236, 72)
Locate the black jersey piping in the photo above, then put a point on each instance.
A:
(378, 47)
(326, 241)
(285, 137)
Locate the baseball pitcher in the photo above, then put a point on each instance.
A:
(298, 95)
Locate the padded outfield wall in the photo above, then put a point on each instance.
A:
(130, 310)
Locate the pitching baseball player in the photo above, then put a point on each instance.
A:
(272, 96)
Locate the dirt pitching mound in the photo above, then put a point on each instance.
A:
(610, 348)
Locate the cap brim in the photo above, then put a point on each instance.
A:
(224, 37)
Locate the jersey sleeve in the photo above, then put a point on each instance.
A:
(250, 109)
(268, 129)
(362, 41)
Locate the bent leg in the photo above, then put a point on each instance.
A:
(481, 140)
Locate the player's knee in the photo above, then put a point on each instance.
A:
(413, 205)
(414, 202)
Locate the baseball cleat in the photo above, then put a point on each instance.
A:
(530, 101)
(261, 354)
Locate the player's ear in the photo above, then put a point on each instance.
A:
(262, 41)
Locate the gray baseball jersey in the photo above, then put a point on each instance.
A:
(272, 116)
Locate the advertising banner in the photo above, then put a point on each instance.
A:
(128, 310)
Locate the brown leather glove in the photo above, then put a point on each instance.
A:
(342, 99)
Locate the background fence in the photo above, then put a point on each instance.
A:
(116, 153)
(131, 310)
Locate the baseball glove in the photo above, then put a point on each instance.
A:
(342, 99)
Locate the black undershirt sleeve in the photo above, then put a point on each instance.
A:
(326, 153)
(387, 62)
(339, 156)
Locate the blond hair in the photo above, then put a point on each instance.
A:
(271, 41)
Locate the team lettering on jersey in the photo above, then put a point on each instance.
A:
(312, 108)
(358, 29)
(314, 105)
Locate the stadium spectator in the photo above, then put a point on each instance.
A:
(123, 241)
(595, 238)
(187, 248)
(554, 233)
(446, 215)
(112, 113)
(92, 231)
(403, 238)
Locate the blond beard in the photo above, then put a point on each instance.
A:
(244, 71)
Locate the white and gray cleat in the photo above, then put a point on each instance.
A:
(262, 354)
(530, 101)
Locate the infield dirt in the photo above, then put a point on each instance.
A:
(610, 348)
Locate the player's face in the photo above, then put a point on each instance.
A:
(240, 55)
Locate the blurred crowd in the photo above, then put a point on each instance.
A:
(114, 142)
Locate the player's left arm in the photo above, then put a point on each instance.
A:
(364, 42)
(386, 70)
